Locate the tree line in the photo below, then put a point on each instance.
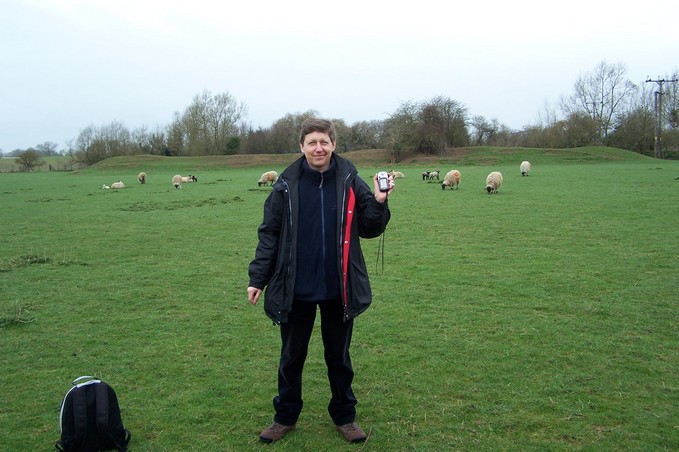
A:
(605, 108)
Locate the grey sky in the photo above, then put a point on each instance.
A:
(67, 64)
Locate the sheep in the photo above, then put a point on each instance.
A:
(105, 187)
(189, 178)
(425, 175)
(434, 174)
(396, 174)
(268, 177)
(118, 184)
(177, 181)
(142, 177)
(525, 168)
(493, 182)
(452, 180)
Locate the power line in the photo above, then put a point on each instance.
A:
(657, 142)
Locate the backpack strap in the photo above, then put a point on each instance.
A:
(80, 415)
(102, 416)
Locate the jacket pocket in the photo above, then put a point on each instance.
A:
(273, 297)
(360, 294)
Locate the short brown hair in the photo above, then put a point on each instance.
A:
(311, 125)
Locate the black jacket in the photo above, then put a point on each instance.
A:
(274, 265)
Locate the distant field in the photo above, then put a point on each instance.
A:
(540, 318)
(58, 163)
(481, 156)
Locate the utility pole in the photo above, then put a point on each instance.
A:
(657, 143)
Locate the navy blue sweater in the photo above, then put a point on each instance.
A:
(318, 276)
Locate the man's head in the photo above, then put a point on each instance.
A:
(317, 141)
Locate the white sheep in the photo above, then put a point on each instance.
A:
(177, 181)
(493, 182)
(141, 177)
(425, 175)
(434, 174)
(118, 185)
(268, 177)
(105, 187)
(189, 178)
(396, 174)
(525, 168)
(452, 180)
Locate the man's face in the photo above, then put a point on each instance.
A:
(318, 149)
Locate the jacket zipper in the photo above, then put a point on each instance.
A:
(285, 280)
(323, 248)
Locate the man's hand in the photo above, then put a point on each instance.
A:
(253, 295)
(381, 196)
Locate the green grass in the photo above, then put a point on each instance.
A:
(540, 318)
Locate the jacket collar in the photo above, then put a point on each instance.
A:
(316, 177)
(342, 168)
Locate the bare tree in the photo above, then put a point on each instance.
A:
(602, 94)
(343, 132)
(366, 134)
(29, 160)
(208, 125)
(284, 133)
(47, 148)
(96, 144)
(548, 116)
(431, 130)
(453, 115)
(482, 130)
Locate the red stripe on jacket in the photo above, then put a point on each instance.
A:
(345, 247)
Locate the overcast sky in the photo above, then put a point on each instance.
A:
(69, 64)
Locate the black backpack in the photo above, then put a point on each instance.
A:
(90, 418)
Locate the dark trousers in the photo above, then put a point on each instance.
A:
(295, 335)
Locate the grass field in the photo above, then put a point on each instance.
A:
(541, 318)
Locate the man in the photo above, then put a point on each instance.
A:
(309, 258)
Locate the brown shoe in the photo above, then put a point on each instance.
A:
(352, 432)
(275, 431)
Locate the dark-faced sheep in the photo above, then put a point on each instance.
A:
(452, 180)
(177, 181)
(267, 178)
(142, 177)
(189, 178)
(525, 168)
(493, 182)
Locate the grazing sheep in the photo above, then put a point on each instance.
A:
(142, 177)
(493, 182)
(396, 174)
(268, 177)
(451, 179)
(117, 185)
(525, 168)
(189, 178)
(177, 181)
